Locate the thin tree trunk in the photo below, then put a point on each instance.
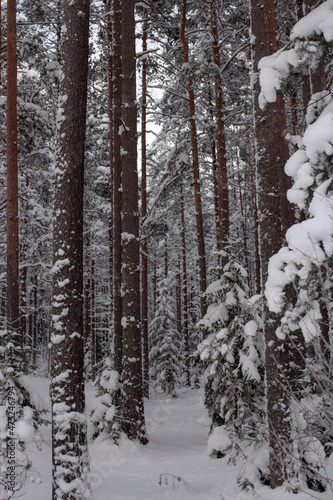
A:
(196, 172)
(144, 258)
(221, 160)
(13, 277)
(133, 409)
(243, 218)
(117, 187)
(110, 49)
(214, 168)
(70, 459)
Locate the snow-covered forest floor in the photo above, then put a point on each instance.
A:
(178, 430)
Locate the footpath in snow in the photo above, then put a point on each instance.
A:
(173, 465)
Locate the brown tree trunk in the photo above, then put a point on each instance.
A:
(13, 278)
(70, 460)
(214, 168)
(196, 172)
(271, 155)
(133, 409)
(110, 49)
(117, 187)
(144, 259)
(221, 161)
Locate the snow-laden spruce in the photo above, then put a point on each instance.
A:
(104, 414)
(232, 357)
(165, 353)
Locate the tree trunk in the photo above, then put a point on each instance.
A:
(133, 410)
(117, 187)
(221, 161)
(196, 172)
(271, 155)
(70, 460)
(110, 49)
(144, 259)
(13, 278)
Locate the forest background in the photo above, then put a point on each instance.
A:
(214, 263)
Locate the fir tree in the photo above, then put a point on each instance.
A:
(165, 355)
(232, 358)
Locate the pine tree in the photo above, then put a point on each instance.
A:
(70, 461)
(132, 388)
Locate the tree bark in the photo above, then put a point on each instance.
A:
(271, 155)
(70, 461)
(133, 409)
(110, 49)
(117, 186)
(196, 171)
(221, 161)
(144, 258)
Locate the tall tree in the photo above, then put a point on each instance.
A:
(271, 155)
(196, 170)
(117, 186)
(70, 461)
(144, 278)
(221, 160)
(133, 410)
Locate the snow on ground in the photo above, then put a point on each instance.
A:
(178, 430)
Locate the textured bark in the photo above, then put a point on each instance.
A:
(117, 187)
(13, 278)
(271, 155)
(144, 260)
(133, 410)
(196, 172)
(221, 161)
(111, 133)
(70, 462)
